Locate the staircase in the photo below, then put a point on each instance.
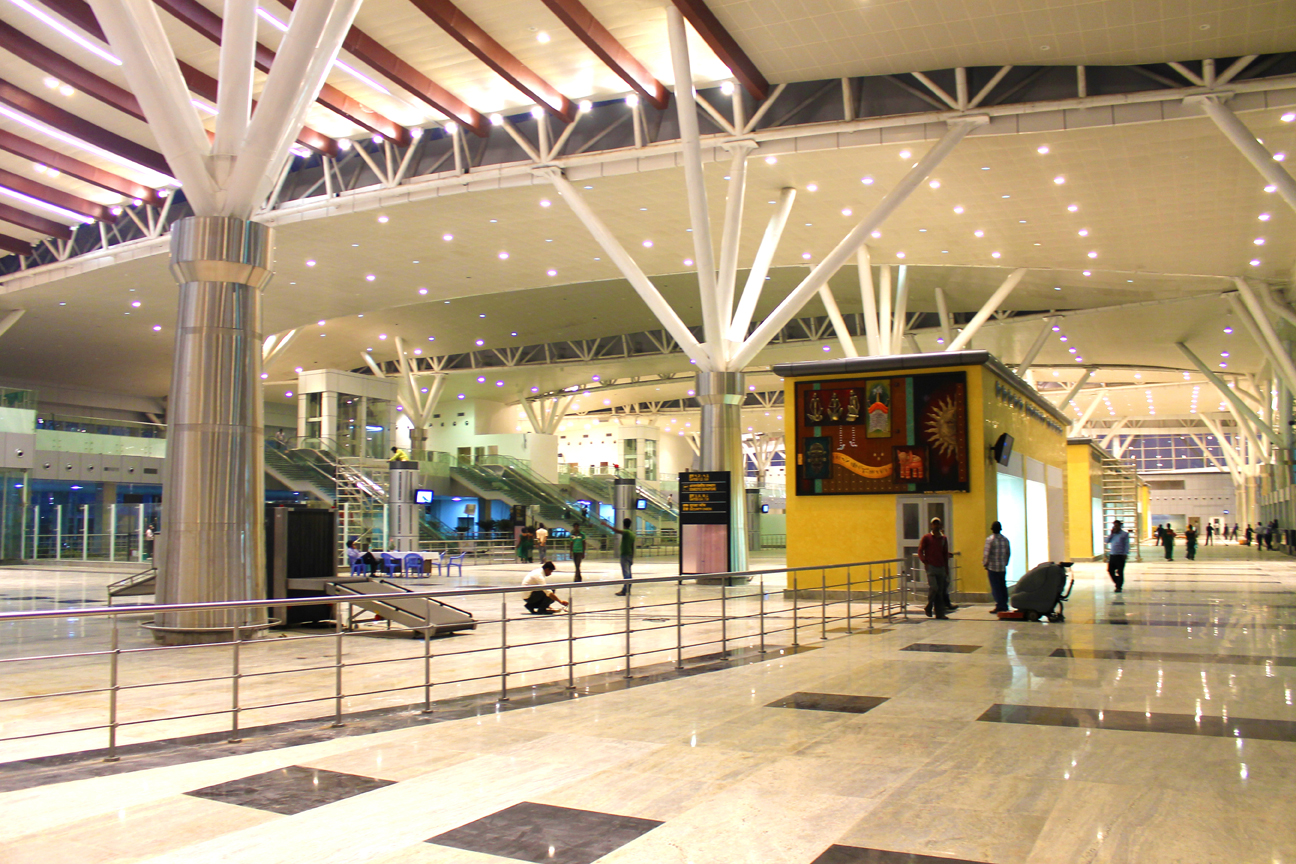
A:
(361, 501)
(1120, 497)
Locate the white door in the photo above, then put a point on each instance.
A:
(913, 516)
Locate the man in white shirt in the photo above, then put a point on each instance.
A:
(539, 600)
(542, 541)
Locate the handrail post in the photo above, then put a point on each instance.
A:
(679, 625)
(795, 604)
(36, 532)
(823, 604)
(504, 647)
(871, 592)
(235, 675)
(571, 642)
(627, 674)
(112, 532)
(904, 591)
(427, 658)
(85, 532)
(58, 530)
(113, 687)
(762, 613)
(337, 675)
(724, 619)
(848, 600)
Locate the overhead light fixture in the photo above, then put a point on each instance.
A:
(50, 21)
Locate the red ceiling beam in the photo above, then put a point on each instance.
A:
(724, 46)
(14, 245)
(83, 171)
(369, 50)
(21, 45)
(605, 46)
(465, 31)
(208, 24)
(66, 121)
(32, 222)
(79, 13)
(57, 197)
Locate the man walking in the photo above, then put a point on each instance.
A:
(542, 542)
(1117, 552)
(1210, 532)
(934, 553)
(1190, 542)
(995, 560)
(1167, 540)
(577, 550)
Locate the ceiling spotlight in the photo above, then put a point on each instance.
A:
(994, 254)
(935, 184)
(542, 37)
(1288, 117)
(812, 187)
(545, 202)
(958, 209)
(370, 277)
(503, 256)
(648, 244)
(1228, 330)
(1255, 262)
(1059, 179)
(1093, 254)
(1073, 207)
(688, 262)
(1271, 188)
(846, 211)
(978, 233)
(1042, 149)
(1083, 232)
(551, 272)
(447, 237)
(382, 220)
(905, 154)
(310, 262)
(867, 180)
(727, 88)
(876, 234)
(1259, 241)
(771, 160)
(632, 100)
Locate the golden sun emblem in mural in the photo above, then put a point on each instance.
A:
(942, 427)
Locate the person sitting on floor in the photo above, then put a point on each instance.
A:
(539, 601)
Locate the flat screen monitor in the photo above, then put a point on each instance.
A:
(641, 503)
(1003, 448)
(423, 496)
(764, 508)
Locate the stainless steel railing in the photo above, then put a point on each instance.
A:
(747, 615)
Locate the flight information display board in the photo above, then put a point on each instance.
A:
(704, 497)
(704, 505)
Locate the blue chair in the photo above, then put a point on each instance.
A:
(413, 565)
(389, 563)
(358, 567)
(448, 561)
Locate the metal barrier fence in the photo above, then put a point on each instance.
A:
(257, 673)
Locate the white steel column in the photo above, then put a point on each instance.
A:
(884, 310)
(1240, 409)
(848, 246)
(729, 239)
(1078, 426)
(839, 324)
(1245, 140)
(868, 294)
(638, 280)
(942, 312)
(901, 309)
(1071, 394)
(1270, 344)
(760, 265)
(11, 318)
(699, 215)
(1035, 348)
(234, 88)
(1001, 293)
(1231, 457)
(1111, 433)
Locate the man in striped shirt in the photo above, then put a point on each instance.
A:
(995, 560)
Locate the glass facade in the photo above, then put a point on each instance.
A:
(1152, 453)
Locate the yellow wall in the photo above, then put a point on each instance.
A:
(1082, 473)
(834, 529)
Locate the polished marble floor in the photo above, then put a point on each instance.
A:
(1169, 737)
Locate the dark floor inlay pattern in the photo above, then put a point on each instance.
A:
(1138, 721)
(1173, 657)
(857, 855)
(290, 790)
(941, 649)
(1206, 624)
(829, 702)
(546, 834)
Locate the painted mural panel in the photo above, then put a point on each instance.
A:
(882, 436)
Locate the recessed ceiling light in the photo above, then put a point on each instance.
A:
(370, 277)
(771, 160)
(136, 304)
(382, 220)
(1093, 254)
(321, 323)
(688, 262)
(1255, 262)
(900, 254)
(1288, 117)
(310, 262)
(1073, 207)
(1271, 188)
(1228, 330)
(647, 244)
(867, 180)
(1042, 149)
(994, 254)
(1279, 157)
(959, 209)
(876, 234)
(935, 184)
(1259, 241)
(1083, 232)
(978, 233)
(1087, 273)
(812, 187)
(157, 328)
(545, 202)
(503, 256)
(423, 291)
(905, 154)
(846, 211)
(805, 256)
(542, 37)
(551, 272)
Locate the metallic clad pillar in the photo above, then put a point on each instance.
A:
(403, 514)
(721, 396)
(623, 501)
(213, 484)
